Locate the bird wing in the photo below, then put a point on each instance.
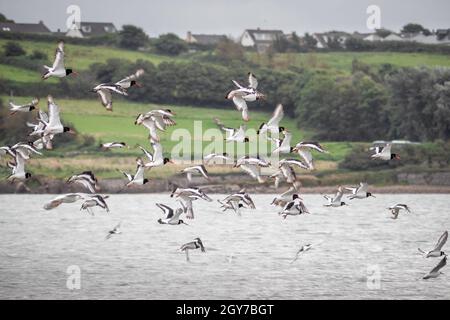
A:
(129, 176)
(252, 170)
(168, 211)
(387, 149)
(240, 103)
(105, 97)
(237, 84)
(58, 63)
(338, 196)
(139, 172)
(440, 265)
(131, 77)
(252, 81)
(157, 151)
(277, 116)
(442, 240)
(307, 156)
(53, 112)
(148, 154)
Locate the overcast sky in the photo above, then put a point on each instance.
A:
(231, 17)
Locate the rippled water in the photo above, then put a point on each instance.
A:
(247, 257)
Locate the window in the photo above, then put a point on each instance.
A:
(86, 29)
(6, 29)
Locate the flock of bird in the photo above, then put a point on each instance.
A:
(290, 202)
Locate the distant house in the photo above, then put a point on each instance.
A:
(260, 39)
(443, 35)
(205, 39)
(38, 28)
(91, 29)
(324, 39)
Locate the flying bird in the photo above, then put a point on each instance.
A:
(272, 125)
(295, 207)
(193, 245)
(242, 95)
(86, 179)
(115, 230)
(172, 217)
(94, 201)
(113, 145)
(105, 90)
(156, 158)
(304, 150)
(359, 192)
(14, 108)
(58, 68)
(437, 250)
(385, 153)
(200, 169)
(395, 210)
(336, 200)
(138, 178)
(64, 198)
(435, 272)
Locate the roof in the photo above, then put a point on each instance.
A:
(261, 36)
(97, 28)
(24, 27)
(208, 39)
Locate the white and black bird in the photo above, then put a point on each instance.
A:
(58, 68)
(335, 201)
(242, 95)
(195, 170)
(18, 169)
(24, 149)
(395, 210)
(113, 145)
(385, 153)
(359, 192)
(138, 178)
(231, 205)
(14, 108)
(437, 250)
(155, 120)
(302, 250)
(116, 230)
(436, 271)
(273, 125)
(283, 146)
(304, 150)
(238, 135)
(105, 90)
(64, 198)
(252, 166)
(241, 196)
(295, 207)
(54, 125)
(87, 179)
(188, 195)
(213, 156)
(282, 199)
(94, 201)
(193, 245)
(156, 159)
(172, 216)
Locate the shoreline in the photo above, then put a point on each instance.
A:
(214, 186)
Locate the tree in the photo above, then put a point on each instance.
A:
(170, 44)
(4, 19)
(229, 50)
(12, 49)
(280, 44)
(309, 41)
(415, 28)
(38, 55)
(132, 37)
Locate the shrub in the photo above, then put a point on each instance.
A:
(13, 49)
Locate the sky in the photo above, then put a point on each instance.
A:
(231, 17)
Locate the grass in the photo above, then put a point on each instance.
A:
(89, 117)
(342, 61)
(80, 57)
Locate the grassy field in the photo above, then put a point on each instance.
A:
(342, 61)
(90, 118)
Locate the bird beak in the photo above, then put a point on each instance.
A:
(72, 132)
(138, 84)
(75, 73)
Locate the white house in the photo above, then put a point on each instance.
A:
(260, 39)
